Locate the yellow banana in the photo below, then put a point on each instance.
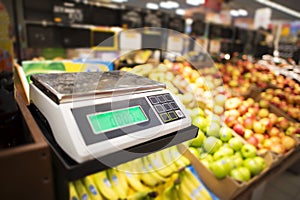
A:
(142, 195)
(178, 157)
(104, 185)
(187, 190)
(143, 173)
(130, 191)
(159, 165)
(81, 191)
(170, 193)
(152, 171)
(201, 190)
(134, 181)
(91, 188)
(119, 183)
(168, 160)
(182, 193)
(73, 194)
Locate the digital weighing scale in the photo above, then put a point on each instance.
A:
(93, 114)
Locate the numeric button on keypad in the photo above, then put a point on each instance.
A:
(159, 108)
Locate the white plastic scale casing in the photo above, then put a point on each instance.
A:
(66, 131)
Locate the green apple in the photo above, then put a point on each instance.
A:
(227, 150)
(206, 156)
(225, 134)
(215, 118)
(212, 144)
(200, 122)
(198, 141)
(206, 163)
(245, 173)
(230, 162)
(213, 129)
(197, 112)
(236, 174)
(248, 151)
(237, 161)
(194, 151)
(220, 168)
(253, 165)
(235, 143)
(261, 161)
(219, 154)
(241, 174)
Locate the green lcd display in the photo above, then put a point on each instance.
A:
(115, 119)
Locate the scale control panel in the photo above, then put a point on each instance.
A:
(166, 107)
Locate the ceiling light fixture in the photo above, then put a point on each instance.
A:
(195, 2)
(169, 4)
(152, 6)
(279, 7)
(119, 1)
(242, 12)
(234, 13)
(180, 11)
(189, 21)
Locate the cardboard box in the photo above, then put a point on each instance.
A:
(226, 188)
(26, 170)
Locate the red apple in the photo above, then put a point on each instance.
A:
(267, 143)
(239, 129)
(250, 101)
(253, 110)
(283, 123)
(274, 131)
(248, 133)
(273, 118)
(288, 142)
(249, 115)
(264, 103)
(248, 123)
(262, 113)
(275, 139)
(253, 140)
(242, 109)
(259, 127)
(277, 148)
(267, 122)
(230, 121)
(260, 137)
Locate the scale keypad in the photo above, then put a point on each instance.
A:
(166, 107)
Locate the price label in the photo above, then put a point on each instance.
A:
(214, 46)
(175, 44)
(130, 40)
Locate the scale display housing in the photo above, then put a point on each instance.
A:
(75, 105)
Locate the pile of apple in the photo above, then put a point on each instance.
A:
(259, 127)
(224, 154)
(287, 99)
(285, 82)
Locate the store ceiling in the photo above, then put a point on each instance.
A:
(249, 5)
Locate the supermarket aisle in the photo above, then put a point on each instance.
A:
(285, 186)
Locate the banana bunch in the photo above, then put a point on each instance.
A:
(161, 175)
(186, 187)
(84, 189)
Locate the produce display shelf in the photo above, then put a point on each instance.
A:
(66, 169)
(277, 169)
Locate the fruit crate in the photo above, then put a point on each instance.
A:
(66, 169)
(226, 188)
(26, 171)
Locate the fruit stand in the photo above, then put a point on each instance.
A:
(253, 131)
